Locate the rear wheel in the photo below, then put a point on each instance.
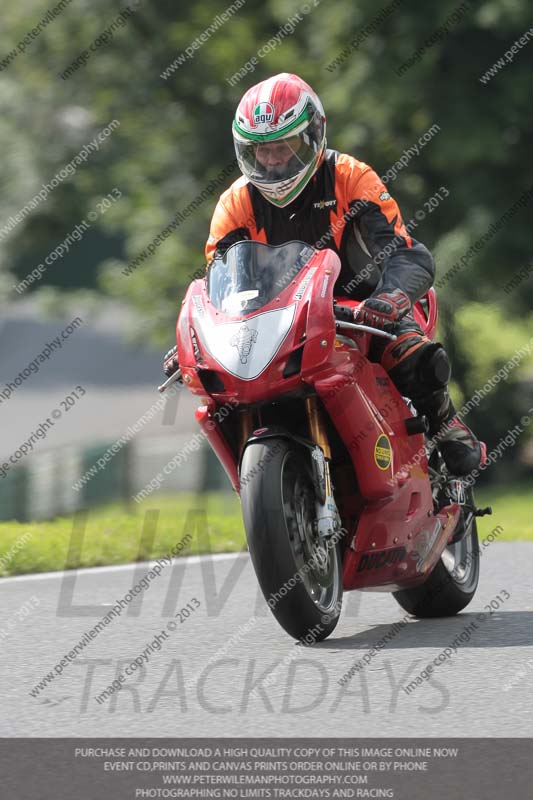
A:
(453, 582)
(300, 576)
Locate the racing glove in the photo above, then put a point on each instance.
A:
(170, 361)
(383, 310)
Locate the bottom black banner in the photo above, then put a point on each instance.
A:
(127, 769)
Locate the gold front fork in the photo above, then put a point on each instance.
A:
(246, 426)
(316, 425)
(328, 519)
(317, 429)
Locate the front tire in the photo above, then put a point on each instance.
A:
(300, 577)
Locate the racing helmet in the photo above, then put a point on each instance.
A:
(279, 133)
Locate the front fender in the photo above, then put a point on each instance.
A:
(315, 453)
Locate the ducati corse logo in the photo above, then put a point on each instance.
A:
(381, 558)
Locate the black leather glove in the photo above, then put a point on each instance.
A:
(383, 310)
(170, 361)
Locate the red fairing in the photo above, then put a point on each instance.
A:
(215, 437)
(428, 322)
(312, 323)
(373, 564)
(240, 359)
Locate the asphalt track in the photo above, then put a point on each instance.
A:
(201, 682)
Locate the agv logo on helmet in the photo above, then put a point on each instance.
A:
(264, 112)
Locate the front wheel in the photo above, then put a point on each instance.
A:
(452, 583)
(300, 576)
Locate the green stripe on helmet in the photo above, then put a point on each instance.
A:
(270, 137)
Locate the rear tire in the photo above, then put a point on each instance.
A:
(452, 583)
(300, 578)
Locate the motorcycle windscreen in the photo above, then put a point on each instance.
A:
(251, 274)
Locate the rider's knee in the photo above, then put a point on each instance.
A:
(434, 368)
(426, 368)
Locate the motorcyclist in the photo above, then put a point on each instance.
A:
(293, 187)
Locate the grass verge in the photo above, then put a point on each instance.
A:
(113, 535)
(511, 508)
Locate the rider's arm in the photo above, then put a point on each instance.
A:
(407, 264)
(232, 220)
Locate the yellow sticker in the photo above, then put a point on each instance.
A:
(383, 452)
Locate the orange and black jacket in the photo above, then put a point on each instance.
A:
(345, 207)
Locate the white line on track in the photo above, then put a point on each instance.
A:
(39, 576)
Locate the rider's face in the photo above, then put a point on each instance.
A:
(277, 154)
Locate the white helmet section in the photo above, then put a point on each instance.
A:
(245, 348)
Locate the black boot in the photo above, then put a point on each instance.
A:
(460, 449)
(423, 377)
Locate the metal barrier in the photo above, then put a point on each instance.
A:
(44, 486)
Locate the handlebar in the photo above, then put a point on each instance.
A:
(344, 319)
(176, 376)
(375, 331)
(343, 313)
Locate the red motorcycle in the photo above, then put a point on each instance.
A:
(340, 487)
